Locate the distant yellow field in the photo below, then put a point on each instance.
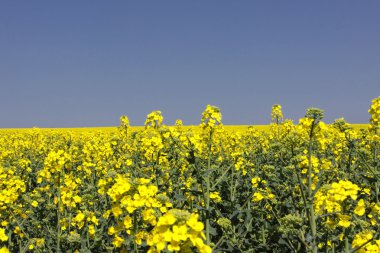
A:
(137, 128)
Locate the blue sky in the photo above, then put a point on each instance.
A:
(85, 63)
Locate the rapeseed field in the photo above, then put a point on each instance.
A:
(302, 186)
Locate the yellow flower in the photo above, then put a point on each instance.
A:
(3, 236)
(117, 241)
(4, 250)
(174, 246)
(111, 230)
(140, 236)
(79, 217)
(167, 219)
(205, 249)
(40, 242)
(344, 220)
(91, 229)
(127, 222)
(360, 208)
(179, 233)
(215, 196)
(129, 162)
(77, 199)
(116, 210)
(194, 223)
(257, 196)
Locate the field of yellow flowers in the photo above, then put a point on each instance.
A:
(287, 187)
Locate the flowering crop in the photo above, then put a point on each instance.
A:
(285, 187)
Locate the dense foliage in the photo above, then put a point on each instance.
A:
(306, 187)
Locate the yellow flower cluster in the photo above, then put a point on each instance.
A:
(374, 110)
(125, 197)
(178, 230)
(11, 186)
(364, 243)
(330, 199)
(211, 117)
(124, 121)
(276, 114)
(154, 119)
(151, 144)
(132, 198)
(81, 217)
(243, 165)
(124, 127)
(178, 123)
(69, 191)
(54, 163)
(261, 191)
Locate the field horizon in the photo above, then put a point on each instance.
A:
(227, 127)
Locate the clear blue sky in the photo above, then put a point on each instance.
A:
(85, 63)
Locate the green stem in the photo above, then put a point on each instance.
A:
(219, 242)
(70, 217)
(376, 168)
(59, 215)
(135, 229)
(263, 229)
(346, 247)
(207, 196)
(313, 225)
